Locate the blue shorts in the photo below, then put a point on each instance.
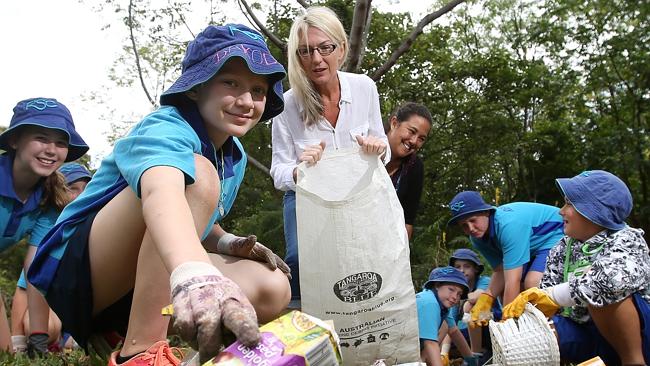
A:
(580, 342)
(536, 263)
(71, 295)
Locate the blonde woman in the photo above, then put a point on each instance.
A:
(325, 109)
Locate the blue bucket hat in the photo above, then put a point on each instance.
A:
(466, 203)
(47, 113)
(215, 45)
(447, 274)
(74, 172)
(599, 196)
(467, 255)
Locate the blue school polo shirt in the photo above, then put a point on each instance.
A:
(164, 137)
(431, 315)
(517, 231)
(18, 219)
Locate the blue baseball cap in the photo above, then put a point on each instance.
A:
(47, 113)
(467, 255)
(599, 196)
(74, 172)
(447, 274)
(215, 45)
(466, 203)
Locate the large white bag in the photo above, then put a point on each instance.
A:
(354, 257)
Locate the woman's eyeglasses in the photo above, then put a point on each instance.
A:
(323, 50)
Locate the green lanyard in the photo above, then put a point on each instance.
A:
(578, 268)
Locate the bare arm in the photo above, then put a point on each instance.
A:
(512, 279)
(168, 217)
(431, 353)
(409, 231)
(497, 282)
(460, 342)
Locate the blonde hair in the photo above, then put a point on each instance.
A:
(325, 20)
(55, 192)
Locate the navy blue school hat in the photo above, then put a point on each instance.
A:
(467, 255)
(466, 203)
(599, 196)
(74, 172)
(47, 113)
(447, 274)
(215, 45)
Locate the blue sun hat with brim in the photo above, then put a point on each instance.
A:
(465, 203)
(599, 196)
(213, 47)
(467, 255)
(447, 274)
(47, 113)
(74, 172)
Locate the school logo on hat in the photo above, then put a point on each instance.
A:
(213, 47)
(466, 203)
(46, 113)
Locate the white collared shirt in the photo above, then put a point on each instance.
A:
(359, 115)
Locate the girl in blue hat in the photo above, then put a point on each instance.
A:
(76, 177)
(514, 238)
(596, 286)
(444, 289)
(143, 230)
(40, 138)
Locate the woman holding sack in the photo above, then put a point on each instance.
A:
(325, 109)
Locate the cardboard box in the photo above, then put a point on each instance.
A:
(294, 339)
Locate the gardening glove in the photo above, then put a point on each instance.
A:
(542, 299)
(445, 359)
(204, 303)
(248, 247)
(481, 311)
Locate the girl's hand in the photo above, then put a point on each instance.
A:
(372, 145)
(204, 303)
(312, 153)
(248, 247)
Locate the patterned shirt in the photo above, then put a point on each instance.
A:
(605, 269)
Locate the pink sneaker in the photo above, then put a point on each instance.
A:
(160, 354)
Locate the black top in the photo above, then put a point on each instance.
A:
(407, 181)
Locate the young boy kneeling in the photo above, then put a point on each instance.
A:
(598, 276)
(443, 290)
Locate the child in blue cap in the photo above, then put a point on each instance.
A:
(444, 289)
(142, 231)
(469, 263)
(40, 138)
(514, 238)
(596, 285)
(76, 177)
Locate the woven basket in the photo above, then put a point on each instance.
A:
(528, 340)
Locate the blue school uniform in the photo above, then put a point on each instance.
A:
(431, 315)
(18, 219)
(168, 137)
(518, 231)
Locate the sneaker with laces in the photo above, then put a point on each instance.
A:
(160, 354)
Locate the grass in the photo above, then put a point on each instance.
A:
(74, 358)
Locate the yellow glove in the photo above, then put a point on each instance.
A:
(540, 298)
(445, 359)
(482, 310)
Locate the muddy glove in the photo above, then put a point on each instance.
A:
(542, 299)
(481, 311)
(445, 359)
(204, 303)
(248, 247)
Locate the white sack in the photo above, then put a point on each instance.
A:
(354, 257)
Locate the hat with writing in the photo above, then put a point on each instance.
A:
(599, 196)
(46, 113)
(466, 203)
(447, 274)
(213, 47)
